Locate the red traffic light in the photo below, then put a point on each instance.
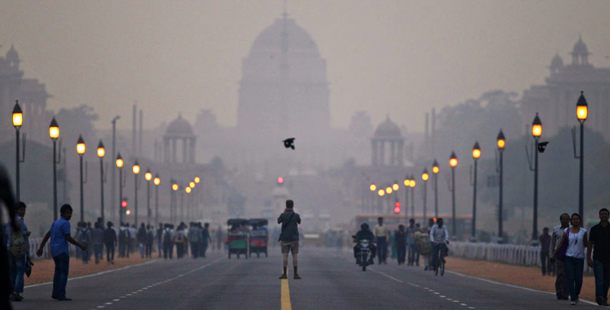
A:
(280, 180)
(397, 207)
(124, 203)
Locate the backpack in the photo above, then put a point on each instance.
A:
(17, 246)
(167, 238)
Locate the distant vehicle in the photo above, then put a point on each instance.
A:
(237, 238)
(259, 236)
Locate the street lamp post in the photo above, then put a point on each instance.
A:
(373, 187)
(188, 201)
(453, 162)
(113, 172)
(412, 184)
(101, 152)
(157, 181)
(435, 170)
(54, 134)
(80, 149)
(148, 177)
(581, 114)
(17, 123)
(136, 171)
(174, 208)
(425, 177)
(407, 183)
(119, 164)
(476, 154)
(501, 144)
(536, 133)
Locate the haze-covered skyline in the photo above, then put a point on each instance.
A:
(389, 57)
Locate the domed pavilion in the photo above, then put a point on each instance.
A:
(388, 134)
(179, 131)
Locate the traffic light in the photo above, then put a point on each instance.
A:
(397, 207)
(124, 203)
(280, 180)
(128, 212)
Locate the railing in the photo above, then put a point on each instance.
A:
(523, 255)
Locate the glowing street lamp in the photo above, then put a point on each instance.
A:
(581, 115)
(501, 145)
(80, 149)
(54, 135)
(453, 162)
(388, 190)
(476, 154)
(395, 186)
(136, 171)
(536, 133)
(197, 180)
(148, 177)
(119, 164)
(373, 187)
(435, 170)
(425, 177)
(101, 152)
(17, 123)
(381, 192)
(156, 181)
(192, 184)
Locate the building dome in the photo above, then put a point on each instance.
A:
(557, 62)
(12, 56)
(388, 130)
(580, 48)
(179, 127)
(269, 42)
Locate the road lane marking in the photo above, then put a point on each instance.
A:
(95, 274)
(511, 285)
(285, 300)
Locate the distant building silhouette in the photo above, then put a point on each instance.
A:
(179, 131)
(556, 101)
(387, 137)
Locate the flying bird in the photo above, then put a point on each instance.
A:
(289, 143)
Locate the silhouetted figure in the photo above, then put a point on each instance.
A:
(8, 200)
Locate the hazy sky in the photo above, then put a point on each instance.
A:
(400, 57)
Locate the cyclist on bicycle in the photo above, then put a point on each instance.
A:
(440, 238)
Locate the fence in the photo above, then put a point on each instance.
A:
(512, 254)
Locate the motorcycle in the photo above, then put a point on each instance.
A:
(365, 253)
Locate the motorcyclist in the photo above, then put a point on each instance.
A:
(364, 234)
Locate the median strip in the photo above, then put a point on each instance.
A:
(286, 305)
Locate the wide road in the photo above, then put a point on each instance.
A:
(331, 280)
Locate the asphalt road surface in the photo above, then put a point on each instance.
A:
(331, 280)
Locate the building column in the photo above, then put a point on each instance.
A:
(392, 153)
(374, 147)
(184, 152)
(382, 153)
(173, 150)
(401, 155)
(166, 149)
(192, 150)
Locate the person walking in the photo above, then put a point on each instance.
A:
(60, 236)
(168, 248)
(110, 241)
(18, 245)
(577, 240)
(561, 281)
(141, 236)
(97, 238)
(428, 257)
(159, 236)
(400, 240)
(383, 235)
(85, 238)
(412, 247)
(194, 236)
(179, 240)
(150, 240)
(545, 245)
(205, 238)
(599, 241)
(289, 238)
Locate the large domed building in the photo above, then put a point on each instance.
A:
(284, 90)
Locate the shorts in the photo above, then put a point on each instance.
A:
(292, 247)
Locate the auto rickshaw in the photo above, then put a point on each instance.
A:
(237, 238)
(259, 236)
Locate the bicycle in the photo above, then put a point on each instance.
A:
(440, 260)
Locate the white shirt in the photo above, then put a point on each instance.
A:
(439, 234)
(576, 246)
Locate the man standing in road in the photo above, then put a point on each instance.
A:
(382, 234)
(110, 241)
(561, 283)
(411, 242)
(18, 246)
(60, 236)
(194, 237)
(599, 240)
(205, 238)
(545, 246)
(289, 237)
